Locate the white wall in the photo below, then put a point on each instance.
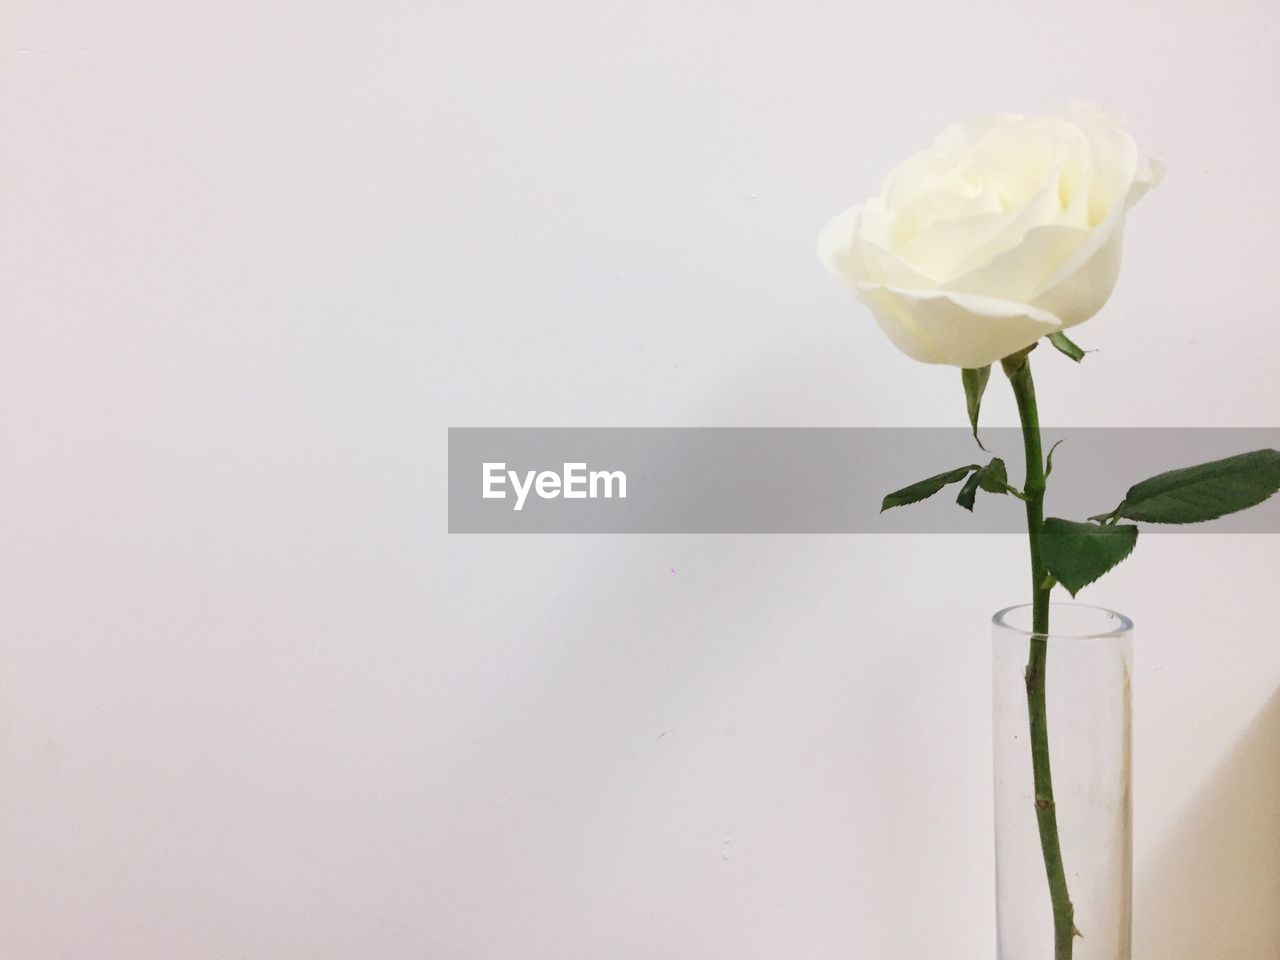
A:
(255, 703)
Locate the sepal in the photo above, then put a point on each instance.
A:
(1065, 345)
(975, 384)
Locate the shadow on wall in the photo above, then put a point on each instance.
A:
(1213, 889)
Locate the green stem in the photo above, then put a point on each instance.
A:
(1018, 369)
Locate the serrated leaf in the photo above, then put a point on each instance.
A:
(1077, 554)
(1206, 491)
(993, 478)
(975, 384)
(969, 492)
(1065, 345)
(923, 489)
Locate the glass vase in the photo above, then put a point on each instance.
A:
(1089, 706)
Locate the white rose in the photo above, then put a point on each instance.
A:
(1007, 229)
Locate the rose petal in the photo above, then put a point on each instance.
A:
(846, 252)
(1018, 273)
(961, 329)
(884, 266)
(938, 249)
(1115, 157)
(837, 247)
(1081, 285)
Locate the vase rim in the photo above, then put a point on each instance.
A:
(1122, 625)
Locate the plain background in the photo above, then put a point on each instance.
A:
(257, 257)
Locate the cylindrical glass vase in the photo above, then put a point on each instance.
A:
(1089, 707)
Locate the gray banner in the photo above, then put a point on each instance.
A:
(796, 480)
